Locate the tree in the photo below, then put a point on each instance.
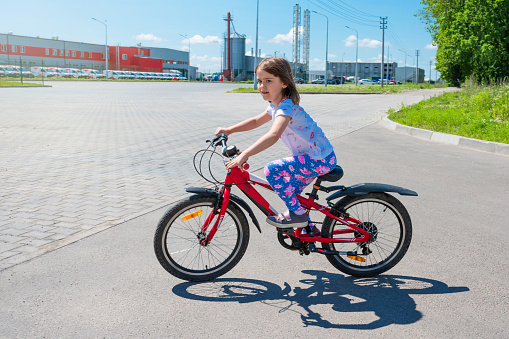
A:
(472, 38)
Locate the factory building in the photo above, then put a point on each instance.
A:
(36, 51)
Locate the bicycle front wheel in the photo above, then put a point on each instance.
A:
(391, 232)
(177, 242)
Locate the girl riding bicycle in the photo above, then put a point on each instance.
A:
(312, 153)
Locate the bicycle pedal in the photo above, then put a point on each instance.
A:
(284, 230)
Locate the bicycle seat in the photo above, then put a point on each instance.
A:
(332, 176)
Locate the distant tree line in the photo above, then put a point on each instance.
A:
(472, 37)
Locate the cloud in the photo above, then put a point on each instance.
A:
(205, 58)
(198, 39)
(430, 46)
(370, 43)
(285, 38)
(148, 37)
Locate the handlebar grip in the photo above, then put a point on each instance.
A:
(245, 166)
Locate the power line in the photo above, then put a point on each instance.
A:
(345, 16)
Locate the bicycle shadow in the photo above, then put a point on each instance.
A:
(388, 297)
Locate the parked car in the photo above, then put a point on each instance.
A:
(298, 80)
(10, 72)
(2, 71)
(366, 82)
(318, 81)
(334, 81)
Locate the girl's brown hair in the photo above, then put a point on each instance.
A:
(281, 68)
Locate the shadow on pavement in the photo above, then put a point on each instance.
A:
(387, 297)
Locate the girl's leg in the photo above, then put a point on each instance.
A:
(289, 176)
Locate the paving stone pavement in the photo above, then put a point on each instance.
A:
(80, 157)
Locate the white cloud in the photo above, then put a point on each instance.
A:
(430, 46)
(371, 43)
(285, 38)
(205, 58)
(198, 39)
(148, 37)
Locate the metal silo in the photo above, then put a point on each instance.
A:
(237, 53)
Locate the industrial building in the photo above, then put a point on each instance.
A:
(36, 51)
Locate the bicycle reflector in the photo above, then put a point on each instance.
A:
(356, 257)
(191, 215)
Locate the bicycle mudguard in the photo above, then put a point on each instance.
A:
(366, 188)
(233, 198)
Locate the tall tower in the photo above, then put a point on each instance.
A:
(296, 42)
(305, 44)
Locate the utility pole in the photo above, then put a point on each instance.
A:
(383, 23)
(228, 62)
(417, 67)
(430, 72)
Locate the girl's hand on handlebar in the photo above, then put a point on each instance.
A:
(220, 130)
(237, 162)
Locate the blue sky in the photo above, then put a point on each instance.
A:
(158, 23)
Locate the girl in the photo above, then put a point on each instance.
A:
(312, 152)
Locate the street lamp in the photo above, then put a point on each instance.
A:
(356, 53)
(326, 45)
(255, 81)
(404, 81)
(106, 27)
(189, 56)
(220, 55)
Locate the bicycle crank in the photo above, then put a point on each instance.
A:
(350, 254)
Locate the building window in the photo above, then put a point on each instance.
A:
(47, 51)
(22, 49)
(73, 54)
(90, 55)
(103, 55)
(4, 48)
(124, 56)
(14, 49)
(54, 52)
(61, 52)
(82, 54)
(66, 53)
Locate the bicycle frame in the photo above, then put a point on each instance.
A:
(245, 182)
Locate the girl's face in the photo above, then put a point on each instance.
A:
(270, 87)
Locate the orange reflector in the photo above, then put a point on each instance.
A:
(356, 257)
(192, 215)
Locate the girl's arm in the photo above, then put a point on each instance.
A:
(245, 125)
(267, 140)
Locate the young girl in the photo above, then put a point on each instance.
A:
(312, 152)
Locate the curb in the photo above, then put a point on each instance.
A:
(481, 145)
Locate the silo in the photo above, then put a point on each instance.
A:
(237, 53)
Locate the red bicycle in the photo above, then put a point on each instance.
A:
(365, 233)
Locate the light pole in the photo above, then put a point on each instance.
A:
(404, 81)
(356, 53)
(326, 46)
(255, 81)
(106, 27)
(188, 56)
(220, 55)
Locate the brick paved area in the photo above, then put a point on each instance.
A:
(82, 156)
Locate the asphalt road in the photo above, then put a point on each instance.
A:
(451, 284)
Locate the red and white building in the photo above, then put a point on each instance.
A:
(35, 51)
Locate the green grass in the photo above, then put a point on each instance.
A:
(7, 83)
(479, 112)
(351, 88)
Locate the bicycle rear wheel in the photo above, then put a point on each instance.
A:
(177, 242)
(391, 232)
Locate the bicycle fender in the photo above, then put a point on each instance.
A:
(366, 188)
(235, 199)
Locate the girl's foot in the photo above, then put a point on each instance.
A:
(288, 219)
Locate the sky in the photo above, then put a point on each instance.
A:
(165, 23)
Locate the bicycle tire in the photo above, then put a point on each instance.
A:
(388, 221)
(177, 243)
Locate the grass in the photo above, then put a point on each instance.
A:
(479, 112)
(8, 83)
(351, 88)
